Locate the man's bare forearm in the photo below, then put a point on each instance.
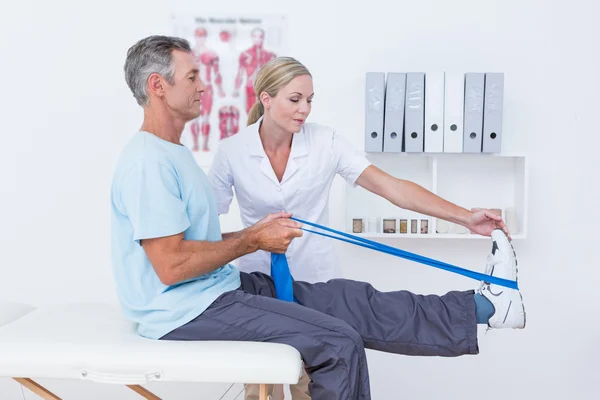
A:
(196, 258)
(176, 260)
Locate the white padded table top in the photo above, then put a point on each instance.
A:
(10, 311)
(95, 342)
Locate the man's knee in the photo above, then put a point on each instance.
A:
(349, 337)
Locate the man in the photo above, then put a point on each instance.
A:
(172, 269)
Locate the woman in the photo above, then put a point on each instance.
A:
(281, 163)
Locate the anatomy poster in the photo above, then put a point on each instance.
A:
(229, 51)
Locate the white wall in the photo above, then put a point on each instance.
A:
(66, 112)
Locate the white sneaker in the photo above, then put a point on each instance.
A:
(508, 303)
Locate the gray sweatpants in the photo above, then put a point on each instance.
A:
(332, 323)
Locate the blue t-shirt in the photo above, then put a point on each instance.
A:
(159, 190)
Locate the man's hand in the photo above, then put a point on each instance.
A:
(275, 232)
(484, 222)
(176, 260)
(272, 217)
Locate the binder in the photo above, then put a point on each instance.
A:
(493, 109)
(473, 124)
(374, 111)
(393, 131)
(414, 115)
(453, 112)
(434, 112)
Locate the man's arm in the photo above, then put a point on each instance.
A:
(176, 260)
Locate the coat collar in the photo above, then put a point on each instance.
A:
(256, 149)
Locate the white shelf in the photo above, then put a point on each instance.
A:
(466, 179)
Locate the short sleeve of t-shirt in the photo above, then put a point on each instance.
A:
(151, 197)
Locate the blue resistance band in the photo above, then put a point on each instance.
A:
(410, 256)
(282, 277)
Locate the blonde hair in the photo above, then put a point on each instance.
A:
(275, 74)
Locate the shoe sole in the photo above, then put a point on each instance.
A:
(518, 300)
(509, 249)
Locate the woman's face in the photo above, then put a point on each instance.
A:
(290, 108)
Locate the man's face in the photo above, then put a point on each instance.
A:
(183, 96)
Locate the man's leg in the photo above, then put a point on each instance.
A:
(398, 322)
(332, 351)
(426, 325)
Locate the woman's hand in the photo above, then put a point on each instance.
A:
(484, 222)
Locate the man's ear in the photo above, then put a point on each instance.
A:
(156, 84)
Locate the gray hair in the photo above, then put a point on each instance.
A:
(148, 56)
